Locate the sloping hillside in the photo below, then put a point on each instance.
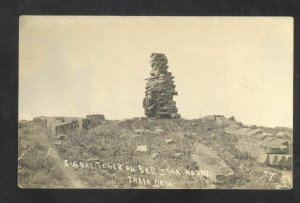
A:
(211, 152)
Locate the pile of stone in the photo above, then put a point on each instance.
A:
(160, 90)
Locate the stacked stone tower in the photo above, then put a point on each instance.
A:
(160, 90)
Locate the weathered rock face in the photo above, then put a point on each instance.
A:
(208, 160)
(276, 160)
(160, 90)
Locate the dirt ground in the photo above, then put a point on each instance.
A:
(139, 153)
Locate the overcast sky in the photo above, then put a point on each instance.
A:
(234, 66)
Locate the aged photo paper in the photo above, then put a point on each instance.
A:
(128, 102)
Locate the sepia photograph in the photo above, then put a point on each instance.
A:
(153, 102)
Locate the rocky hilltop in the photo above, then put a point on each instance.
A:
(209, 152)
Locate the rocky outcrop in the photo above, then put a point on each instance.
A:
(266, 147)
(208, 160)
(279, 160)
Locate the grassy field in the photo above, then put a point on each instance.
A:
(106, 156)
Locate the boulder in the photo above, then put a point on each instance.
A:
(159, 131)
(175, 115)
(222, 121)
(269, 139)
(61, 137)
(154, 154)
(169, 141)
(208, 160)
(276, 146)
(177, 155)
(231, 118)
(240, 131)
(208, 118)
(57, 142)
(206, 128)
(284, 160)
(250, 147)
(260, 136)
(273, 159)
(268, 134)
(276, 160)
(233, 126)
(254, 132)
(142, 148)
(284, 135)
(138, 131)
(264, 135)
(289, 161)
(277, 149)
(263, 159)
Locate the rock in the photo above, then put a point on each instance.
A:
(175, 115)
(177, 155)
(207, 128)
(269, 139)
(240, 131)
(222, 121)
(239, 123)
(263, 159)
(159, 130)
(57, 142)
(160, 90)
(61, 137)
(280, 160)
(272, 160)
(169, 141)
(260, 136)
(125, 123)
(268, 134)
(276, 146)
(289, 161)
(231, 118)
(276, 160)
(138, 131)
(89, 146)
(142, 148)
(253, 132)
(278, 149)
(181, 135)
(208, 118)
(140, 118)
(208, 160)
(284, 160)
(154, 154)
(233, 126)
(250, 147)
(279, 141)
(194, 124)
(284, 135)
(263, 136)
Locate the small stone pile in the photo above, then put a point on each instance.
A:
(160, 87)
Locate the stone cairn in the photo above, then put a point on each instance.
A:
(160, 88)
